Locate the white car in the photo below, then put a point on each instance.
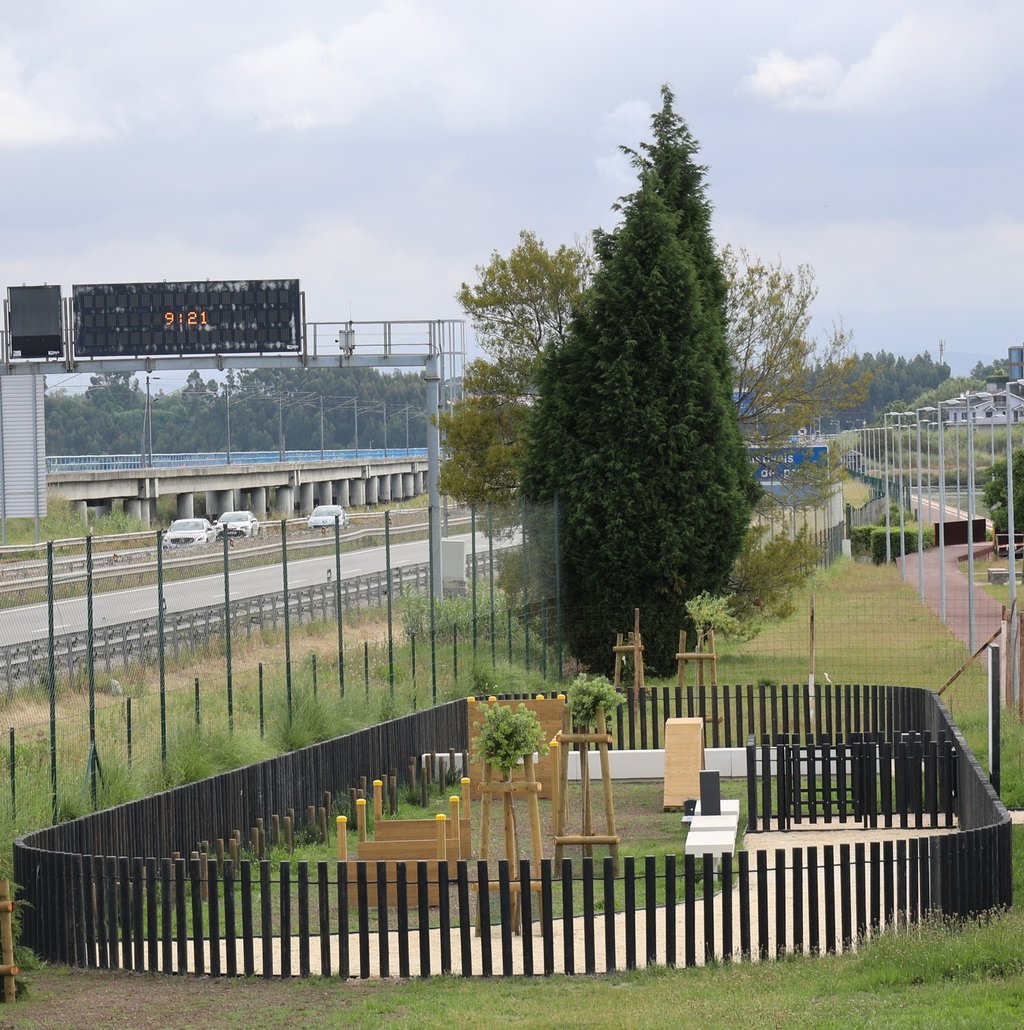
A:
(238, 523)
(185, 532)
(324, 515)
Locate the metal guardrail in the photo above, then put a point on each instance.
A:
(18, 577)
(116, 647)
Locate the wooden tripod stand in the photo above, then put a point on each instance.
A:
(560, 803)
(507, 790)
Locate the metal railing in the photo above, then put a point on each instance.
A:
(121, 462)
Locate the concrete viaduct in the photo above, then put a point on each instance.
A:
(283, 489)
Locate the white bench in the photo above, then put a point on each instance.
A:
(701, 823)
(710, 842)
(730, 806)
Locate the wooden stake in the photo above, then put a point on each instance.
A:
(8, 970)
(342, 827)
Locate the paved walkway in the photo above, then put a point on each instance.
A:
(987, 611)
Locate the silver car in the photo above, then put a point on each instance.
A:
(186, 532)
(238, 523)
(324, 515)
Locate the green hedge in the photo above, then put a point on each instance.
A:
(878, 543)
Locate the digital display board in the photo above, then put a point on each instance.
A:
(238, 317)
(35, 321)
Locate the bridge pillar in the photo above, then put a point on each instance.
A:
(186, 505)
(305, 498)
(259, 502)
(418, 479)
(341, 492)
(323, 492)
(384, 489)
(397, 491)
(357, 492)
(372, 489)
(133, 507)
(283, 502)
(408, 485)
(81, 509)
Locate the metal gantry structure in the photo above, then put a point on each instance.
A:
(436, 347)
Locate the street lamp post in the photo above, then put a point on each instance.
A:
(1011, 542)
(942, 516)
(227, 408)
(888, 520)
(920, 509)
(147, 428)
(970, 515)
(899, 452)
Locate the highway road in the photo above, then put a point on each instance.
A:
(30, 622)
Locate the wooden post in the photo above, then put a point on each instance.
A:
(442, 842)
(342, 824)
(361, 819)
(556, 765)
(453, 804)
(465, 784)
(10, 970)
(378, 800)
(534, 809)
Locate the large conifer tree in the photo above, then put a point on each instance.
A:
(634, 428)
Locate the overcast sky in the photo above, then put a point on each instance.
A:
(379, 151)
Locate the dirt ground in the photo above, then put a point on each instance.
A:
(62, 999)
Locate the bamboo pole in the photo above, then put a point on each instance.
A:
(8, 970)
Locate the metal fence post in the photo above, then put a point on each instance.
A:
(51, 678)
(160, 645)
(287, 618)
(90, 664)
(339, 615)
(227, 635)
(390, 607)
(431, 517)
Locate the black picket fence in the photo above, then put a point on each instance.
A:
(909, 783)
(172, 917)
(104, 890)
(733, 714)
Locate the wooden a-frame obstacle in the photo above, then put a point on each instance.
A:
(587, 838)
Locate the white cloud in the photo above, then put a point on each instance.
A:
(939, 56)
(45, 109)
(785, 81)
(399, 55)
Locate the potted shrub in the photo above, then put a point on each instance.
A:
(507, 735)
(590, 696)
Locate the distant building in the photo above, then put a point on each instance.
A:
(1015, 363)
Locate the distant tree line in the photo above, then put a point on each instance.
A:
(301, 409)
